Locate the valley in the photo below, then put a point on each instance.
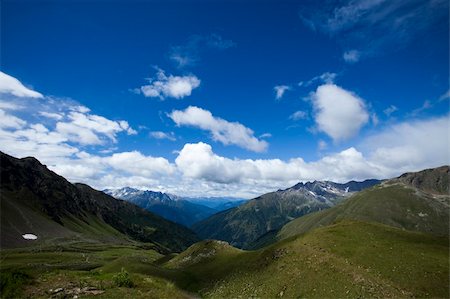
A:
(377, 239)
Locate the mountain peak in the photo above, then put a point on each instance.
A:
(434, 180)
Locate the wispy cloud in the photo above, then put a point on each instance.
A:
(221, 130)
(327, 77)
(445, 96)
(298, 115)
(389, 110)
(189, 53)
(351, 56)
(372, 25)
(280, 90)
(162, 135)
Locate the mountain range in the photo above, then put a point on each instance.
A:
(371, 239)
(182, 210)
(243, 225)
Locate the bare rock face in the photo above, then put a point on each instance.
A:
(435, 180)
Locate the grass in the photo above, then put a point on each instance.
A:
(347, 259)
(393, 205)
(12, 283)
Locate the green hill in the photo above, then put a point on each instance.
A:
(35, 200)
(350, 259)
(414, 201)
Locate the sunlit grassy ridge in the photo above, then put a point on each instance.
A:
(392, 204)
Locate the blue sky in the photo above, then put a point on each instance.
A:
(225, 98)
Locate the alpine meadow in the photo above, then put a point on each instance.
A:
(224, 149)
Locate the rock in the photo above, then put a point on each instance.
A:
(58, 290)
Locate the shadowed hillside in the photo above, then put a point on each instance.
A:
(38, 201)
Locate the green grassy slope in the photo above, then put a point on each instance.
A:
(391, 203)
(85, 268)
(350, 259)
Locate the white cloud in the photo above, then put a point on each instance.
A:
(78, 134)
(10, 121)
(411, 146)
(221, 130)
(89, 129)
(338, 112)
(170, 86)
(8, 105)
(351, 56)
(297, 115)
(280, 90)
(162, 135)
(390, 152)
(138, 164)
(198, 161)
(53, 115)
(197, 170)
(11, 85)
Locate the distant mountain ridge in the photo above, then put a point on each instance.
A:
(243, 225)
(37, 200)
(416, 201)
(185, 211)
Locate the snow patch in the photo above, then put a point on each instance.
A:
(29, 237)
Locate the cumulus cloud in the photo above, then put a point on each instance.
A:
(390, 152)
(338, 113)
(198, 161)
(221, 130)
(11, 85)
(197, 170)
(410, 146)
(162, 135)
(351, 56)
(164, 86)
(280, 90)
(138, 164)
